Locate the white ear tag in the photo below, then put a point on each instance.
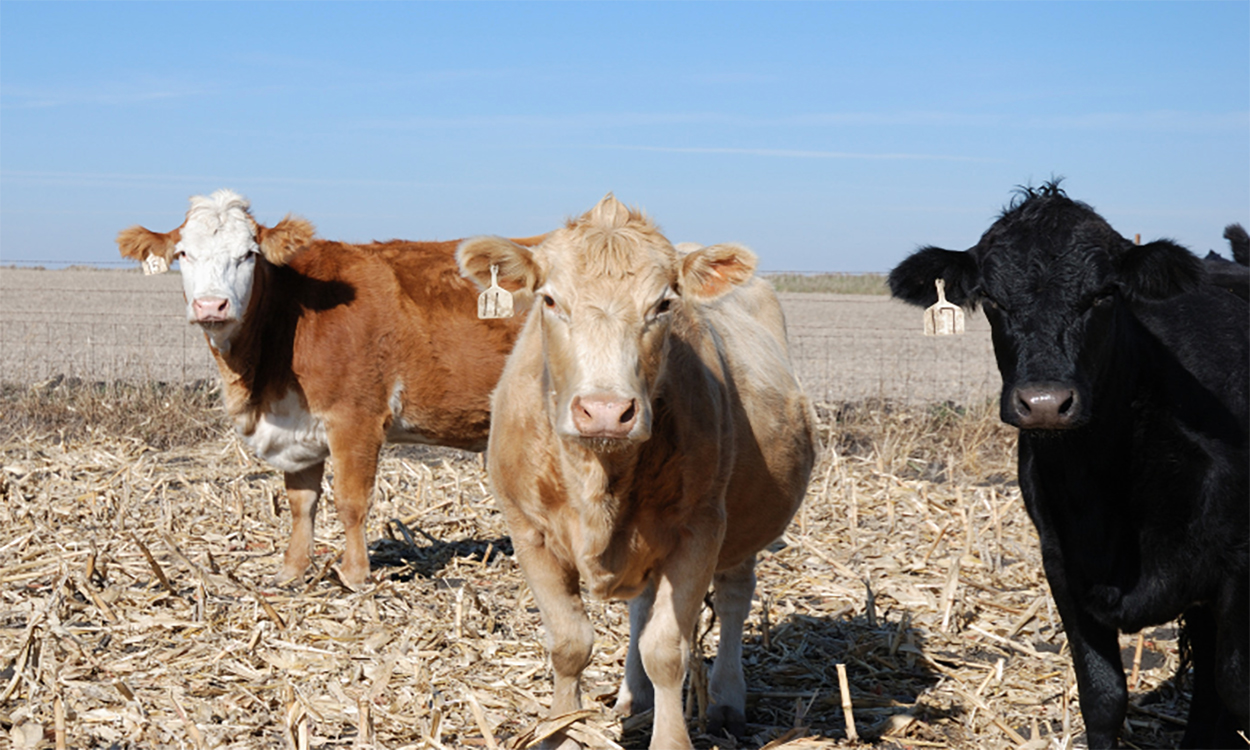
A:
(154, 264)
(943, 318)
(495, 302)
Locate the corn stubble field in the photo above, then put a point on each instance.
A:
(138, 537)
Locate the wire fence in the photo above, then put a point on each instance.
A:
(106, 326)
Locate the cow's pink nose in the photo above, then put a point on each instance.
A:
(210, 309)
(604, 416)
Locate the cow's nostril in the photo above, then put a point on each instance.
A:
(1066, 407)
(628, 415)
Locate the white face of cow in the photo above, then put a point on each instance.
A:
(217, 254)
(219, 246)
(610, 289)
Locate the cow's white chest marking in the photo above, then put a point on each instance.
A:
(288, 437)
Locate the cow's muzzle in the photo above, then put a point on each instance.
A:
(603, 416)
(1043, 406)
(211, 310)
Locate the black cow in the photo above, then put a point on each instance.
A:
(1127, 374)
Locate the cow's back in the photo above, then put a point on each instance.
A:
(776, 440)
(400, 329)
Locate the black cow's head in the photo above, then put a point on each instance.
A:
(1054, 279)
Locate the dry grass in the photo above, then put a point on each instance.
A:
(160, 415)
(829, 283)
(136, 609)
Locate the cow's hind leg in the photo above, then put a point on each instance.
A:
(303, 491)
(1218, 682)
(636, 694)
(727, 686)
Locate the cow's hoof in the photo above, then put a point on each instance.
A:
(353, 580)
(721, 719)
(289, 577)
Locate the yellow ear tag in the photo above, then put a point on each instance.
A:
(495, 302)
(154, 264)
(943, 318)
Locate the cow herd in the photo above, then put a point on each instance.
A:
(646, 437)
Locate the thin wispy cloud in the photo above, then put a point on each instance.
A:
(798, 154)
(119, 179)
(1152, 121)
(22, 97)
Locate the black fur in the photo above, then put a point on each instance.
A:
(1141, 498)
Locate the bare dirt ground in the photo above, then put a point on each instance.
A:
(137, 611)
(108, 325)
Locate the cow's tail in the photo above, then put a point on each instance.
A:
(1237, 237)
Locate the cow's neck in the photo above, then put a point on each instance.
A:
(599, 485)
(255, 368)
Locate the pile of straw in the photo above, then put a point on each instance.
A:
(905, 606)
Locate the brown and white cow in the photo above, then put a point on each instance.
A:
(648, 439)
(329, 350)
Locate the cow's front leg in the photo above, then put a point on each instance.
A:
(727, 687)
(665, 643)
(303, 491)
(636, 694)
(355, 457)
(570, 635)
(1100, 681)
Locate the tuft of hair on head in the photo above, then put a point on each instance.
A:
(1022, 194)
(217, 206)
(610, 213)
(611, 234)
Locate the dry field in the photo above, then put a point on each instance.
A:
(137, 537)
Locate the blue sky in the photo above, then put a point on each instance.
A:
(827, 136)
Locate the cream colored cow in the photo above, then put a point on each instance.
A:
(647, 439)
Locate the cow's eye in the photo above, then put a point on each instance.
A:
(549, 301)
(1104, 300)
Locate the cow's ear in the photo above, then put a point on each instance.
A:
(283, 240)
(913, 280)
(515, 265)
(137, 243)
(711, 272)
(1158, 270)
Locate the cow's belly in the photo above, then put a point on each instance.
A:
(403, 432)
(288, 436)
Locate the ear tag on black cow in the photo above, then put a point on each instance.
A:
(154, 264)
(943, 318)
(495, 302)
